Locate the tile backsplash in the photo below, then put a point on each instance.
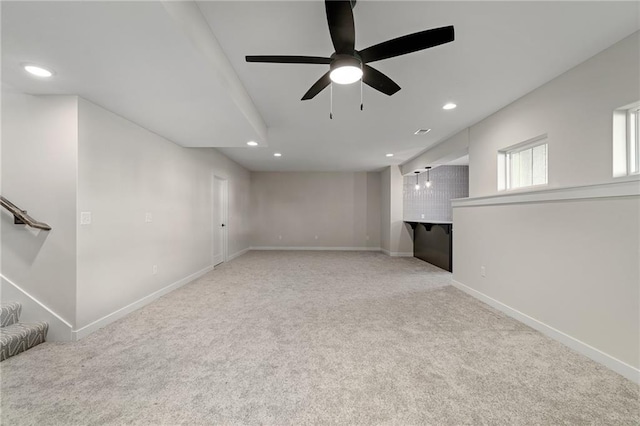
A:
(447, 183)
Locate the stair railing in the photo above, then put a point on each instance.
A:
(20, 217)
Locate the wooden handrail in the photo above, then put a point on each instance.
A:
(20, 217)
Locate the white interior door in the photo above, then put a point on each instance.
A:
(219, 220)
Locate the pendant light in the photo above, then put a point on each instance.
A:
(417, 184)
(428, 184)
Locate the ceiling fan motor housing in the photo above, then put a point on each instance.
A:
(343, 60)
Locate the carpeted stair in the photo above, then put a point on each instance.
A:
(16, 337)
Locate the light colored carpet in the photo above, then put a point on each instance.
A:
(315, 338)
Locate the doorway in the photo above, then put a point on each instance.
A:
(220, 213)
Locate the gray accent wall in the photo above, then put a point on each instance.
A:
(315, 210)
(448, 183)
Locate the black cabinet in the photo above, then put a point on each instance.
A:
(433, 243)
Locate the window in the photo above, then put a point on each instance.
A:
(626, 141)
(523, 165)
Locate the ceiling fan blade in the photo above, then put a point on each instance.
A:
(407, 44)
(374, 78)
(341, 26)
(289, 59)
(317, 87)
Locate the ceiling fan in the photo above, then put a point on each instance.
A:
(347, 65)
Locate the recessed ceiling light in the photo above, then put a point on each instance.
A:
(277, 154)
(449, 106)
(389, 155)
(37, 71)
(421, 131)
(252, 143)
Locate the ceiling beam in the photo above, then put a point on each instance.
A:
(444, 152)
(189, 18)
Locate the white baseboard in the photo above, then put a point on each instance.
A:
(597, 355)
(397, 253)
(317, 248)
(238, 254)
(116, 315)
(33, 311)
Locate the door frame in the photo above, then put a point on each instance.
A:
(224, 232)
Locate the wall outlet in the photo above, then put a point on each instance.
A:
(279, 237)
(483, 271)
(85, 218)
(148, 218)
(422, 216)
(154, 270)
(316, 237)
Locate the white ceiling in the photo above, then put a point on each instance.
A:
(462, 161)
(129, 57)
(134, 59)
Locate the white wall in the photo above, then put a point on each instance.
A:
(397, 236)
(342, 209)
(575, 110)
(401, 234)
(39, 168)
(62, 155)
(374, 215)
(567, 266)
(124, 172)
(572, 265)
(385, 210)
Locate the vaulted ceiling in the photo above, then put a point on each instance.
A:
(178, 69)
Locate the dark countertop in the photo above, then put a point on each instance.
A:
(435, 222)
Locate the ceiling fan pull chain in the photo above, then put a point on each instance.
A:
(331, 103)
(361, 102)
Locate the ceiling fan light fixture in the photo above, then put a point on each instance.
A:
(345, 70)
(346, 75)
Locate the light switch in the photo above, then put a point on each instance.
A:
(85, 218)
(148, 218)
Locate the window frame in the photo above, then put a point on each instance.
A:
(505, 165)
(633, 141)
(626, 141)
